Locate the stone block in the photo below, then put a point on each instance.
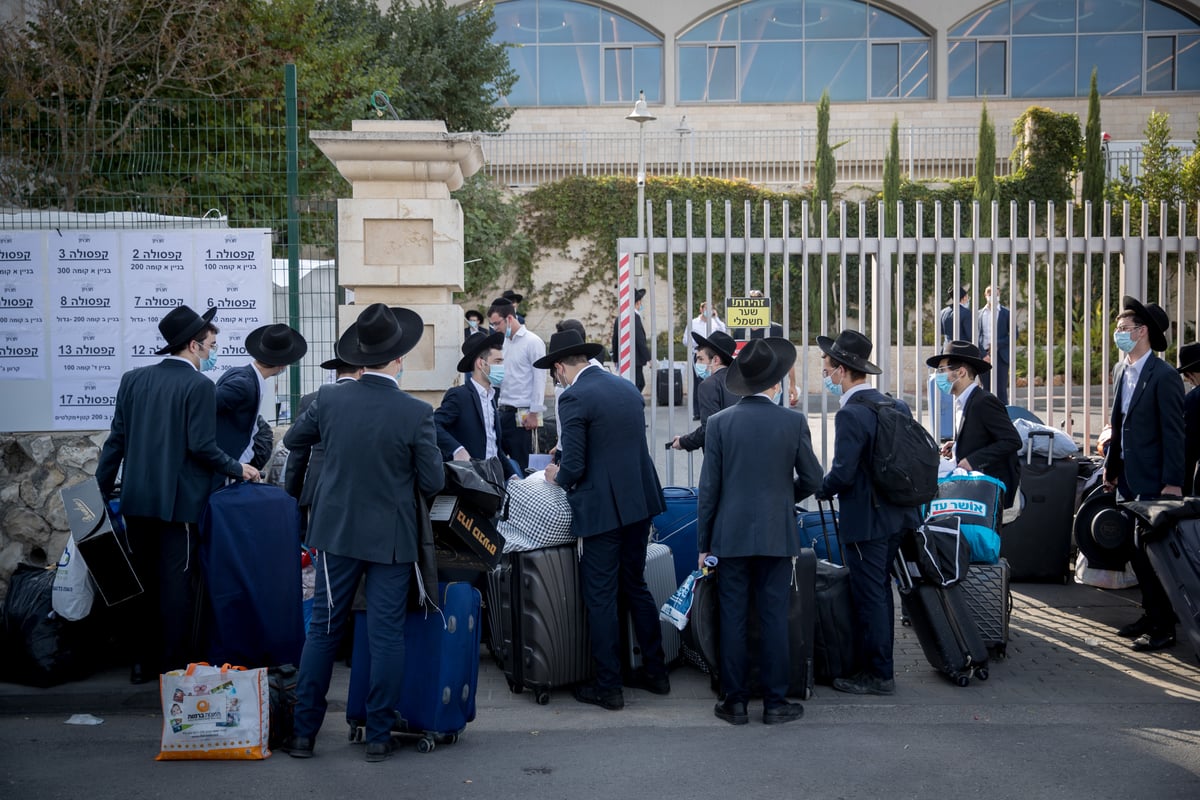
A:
(22, 525)
(40, 448)
(75, 456)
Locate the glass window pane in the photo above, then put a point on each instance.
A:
(1118, 63)
(516, 22)
(914, 70)
(615, 28)
(989, 22)
(840, 67)
(690, 66)
(1188, 59)
(524, 63)
(765, 20)
(885, 70)
(618, 75)
(1160, 63)
(1161, 18)
(1042, 16)
(836, 19)
(772, 72)
(888, 26)
(707, 74)
(1043, 66)
(721, 27)
(960, 65)
(564, 21)
(993, 69)
(1105, 16)
(569, 76)
(648, 73)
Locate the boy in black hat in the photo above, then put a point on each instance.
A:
(474, 322)
(240, 390)
(468, 423)
(871, 528)
(758, 462)
(164, 433)
(713, 355)
(1144, 459)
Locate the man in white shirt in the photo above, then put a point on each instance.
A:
(523, 398)
(705, 324)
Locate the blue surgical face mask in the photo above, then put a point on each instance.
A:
(495, 374)
(507, 330)
(701, 370)
(473, 324)
(943, 382)
(1123, 340)
(834, 389)
(210, 362)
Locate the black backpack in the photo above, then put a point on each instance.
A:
(904, 462)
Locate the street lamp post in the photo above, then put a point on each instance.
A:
(641, 115)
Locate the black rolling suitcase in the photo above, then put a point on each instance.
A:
(538, 622)
(833, 634)
(663, 390)
(1037, 544)
(986, 593)
(1171, 537)
(944, 625)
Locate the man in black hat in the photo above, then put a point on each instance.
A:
(381, 455)
(641, 350)
(1144, 458)
(523, 398)
(474, 323)
(613, 490)
(164, 433)
(758, 462)
(303, 466)
(1189, 368)
(468, 423)
(986, 440)
(713, 355)
(240, 391)
(871, 528)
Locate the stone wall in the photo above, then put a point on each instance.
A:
(33, 468)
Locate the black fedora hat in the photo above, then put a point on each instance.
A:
(961, 351)
(337, 364)
(761, 364)
(180, 325)
(1104, 531)
(567, 343)
(474, 347)
(380, 335)
(850, 348)
(478, 315)
(512, 296)
(1189, 358)
(721, 342)
(1155, 319)
(638, 294)
(276, 345)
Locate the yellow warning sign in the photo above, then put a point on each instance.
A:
(748, 312)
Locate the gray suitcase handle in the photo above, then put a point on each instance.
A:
(1049, 448)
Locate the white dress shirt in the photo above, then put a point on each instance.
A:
(704, 327)
(489, 419)
(524, 386)
(845, 398)
(1129, 379)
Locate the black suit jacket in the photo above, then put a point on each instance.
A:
(303, 467)
(459, 421)
(238, 399)
(712, 395)
(380, 447)
(641, 349)
(955, 322)
(164, 431)
(1191, 446)
(1146, 448)
(989, 442)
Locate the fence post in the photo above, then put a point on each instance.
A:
(293, 228)
(881, 307)
(1133, 267)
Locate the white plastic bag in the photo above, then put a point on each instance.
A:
(1103, 578)
(678, 607)
(1063, 446)
(73, 592)
(215, 713)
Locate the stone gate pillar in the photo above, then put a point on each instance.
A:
(400, 235)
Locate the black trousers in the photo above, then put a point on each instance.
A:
(517, 441)
(874, 606)
(768, 578)
(166, 616)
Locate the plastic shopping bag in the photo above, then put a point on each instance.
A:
(215, 713)
(73, 593)
(679, 606)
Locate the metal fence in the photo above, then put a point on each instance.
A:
(1061, 277)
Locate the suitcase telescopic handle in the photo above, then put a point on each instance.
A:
(1049, 446)
(825, 531)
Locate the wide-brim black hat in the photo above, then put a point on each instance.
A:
(512, 296)
(337, 365)
(965, 352)
(850, 348)
(1155, 319)
(276, 345)
(474, 313)
(1104, 531)
(381, 334)
(638, 294)
(475, 345)
(721, 342)
(180, 325)
(761, 364)
(1189, 358)
(565, 344)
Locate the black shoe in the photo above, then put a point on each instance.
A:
(1149, 642)
(137, 675)
(784, 713)
(640, 679)
(612, 700)
(298, 747)
(733, 713)
(1135, 629)
(380, 751)
(862, 683)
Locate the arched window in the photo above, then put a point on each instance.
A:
(1047, 48)
(790, 51)
(577, 54)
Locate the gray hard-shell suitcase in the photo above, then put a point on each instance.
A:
(660, 579)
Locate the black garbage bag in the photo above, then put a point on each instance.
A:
(42, 648)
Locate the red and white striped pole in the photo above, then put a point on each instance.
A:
(624, 354)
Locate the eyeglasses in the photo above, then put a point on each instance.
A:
(944, 370)
(1129, 328)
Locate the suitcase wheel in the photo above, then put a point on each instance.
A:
(982, 673)
(515, 687)
(426, 744)
(961, 680)
(542, 697)
(1001, 652)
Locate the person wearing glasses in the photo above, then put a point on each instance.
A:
(523, 396)
(1145, 455)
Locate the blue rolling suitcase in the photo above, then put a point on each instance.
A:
(676, 528)
(441, 670)
(815, 529)
(250, 559)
